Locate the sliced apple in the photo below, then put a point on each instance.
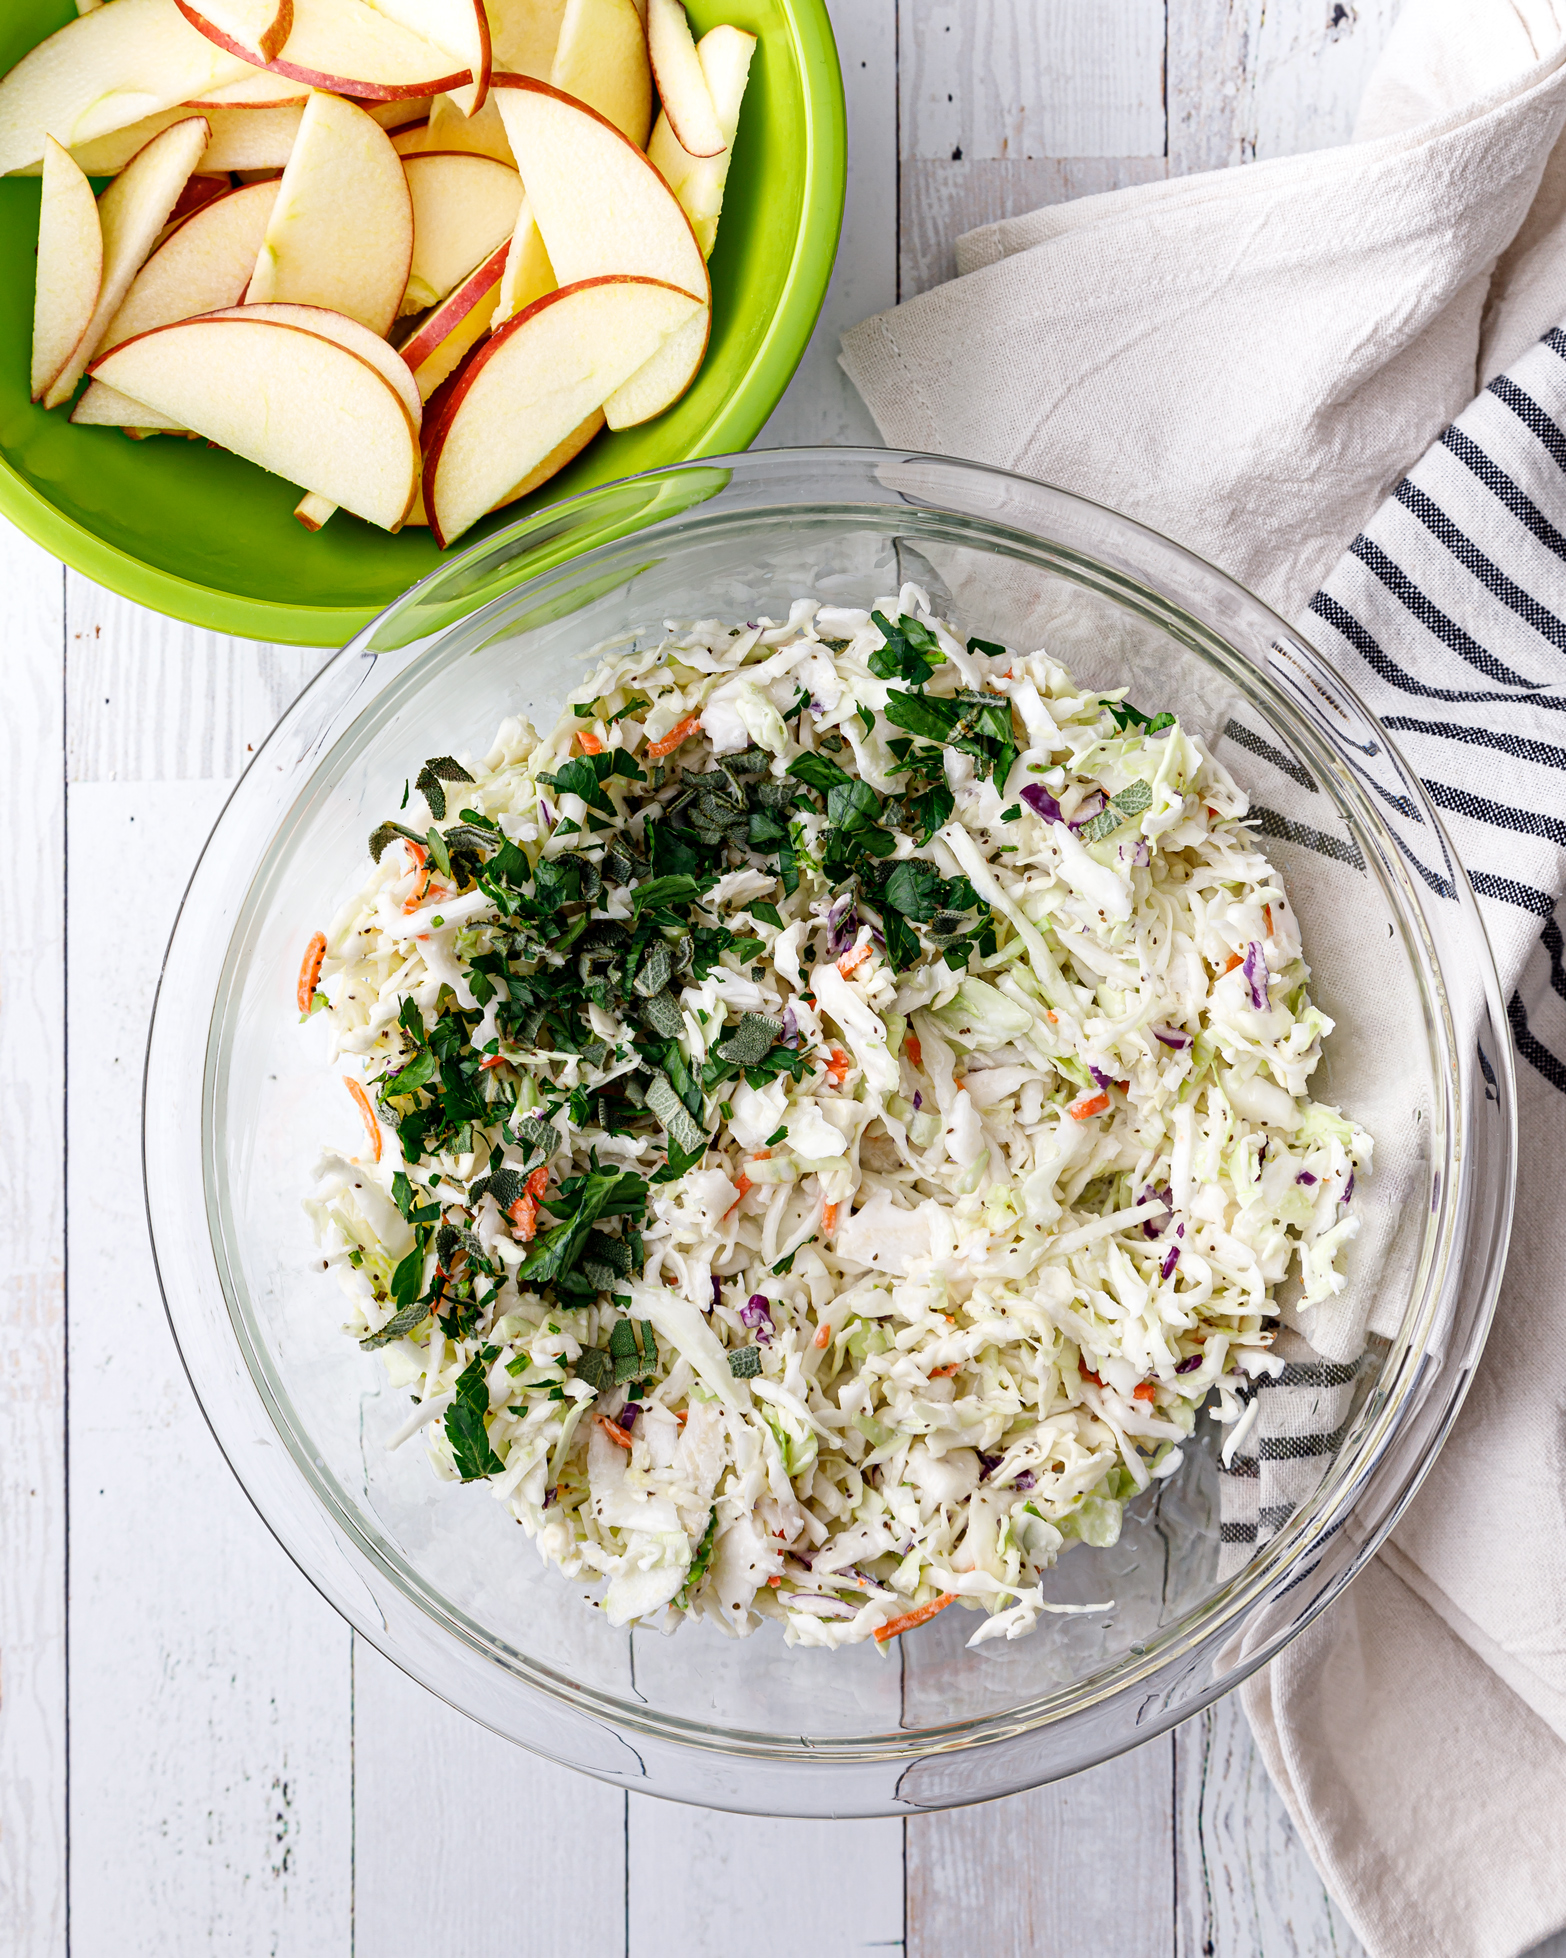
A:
(292, 402)
(400, 113)
(482, 133)
(205, 265)
(412, 140)
(384, 358)
(255, 30)
(698, 181)
(528, 274)
(682, 87)
(251, 139)
(532, 383)
(257, 90)
(197, 194)
(463, 207)
(132, 211)
(524, 35)
(601, 59)
(106, 407)
(664, 379)
(461, 27)
(461, 320)
(355, 49)
(103, 71)
(341, 231)
(70, 266)
(563, 452)
(599, 204)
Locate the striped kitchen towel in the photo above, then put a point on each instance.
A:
(1448, 616)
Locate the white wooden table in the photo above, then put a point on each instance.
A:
(196, 1755)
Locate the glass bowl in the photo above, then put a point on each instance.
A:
(438, 1576)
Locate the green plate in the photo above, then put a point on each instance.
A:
(201, 535)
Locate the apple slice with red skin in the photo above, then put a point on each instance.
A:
(255, 30)
(464, 206)
(258, 90)
(525, 35)
(292, 402)
(601, 59)
(523, 391)
(442, 339)
(682, 87)
(341, 231)
(698, 181)
(600, 206)
(350, 48)
(204, 266)
(70, 266)
(461, 27)
(132, 211)
(118, 64)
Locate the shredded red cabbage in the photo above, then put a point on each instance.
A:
(1171, 1036)
(717, 1289)
(918, 1101)
(1348, 1190)
(627, 1415)
(1026, 1480)
(1156, 1226)
(1170, 1261)
(1255, 970)
(1104, 1080)
(988, 1464)
(1304, 1177)
(1042, 803)
(756, 1309)
(843, 924)
(1189, 1364)
(790, 1028)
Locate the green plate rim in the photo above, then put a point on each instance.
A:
(734, 426)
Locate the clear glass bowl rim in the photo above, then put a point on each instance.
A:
(232, 1413)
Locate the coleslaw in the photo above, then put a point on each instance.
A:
(838, 1109)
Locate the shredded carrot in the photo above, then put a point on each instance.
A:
(589, 743)
(852, 960)
(682, 731)
(310, 971)
(1212, 812)
(493, 1060)
(682, 1417)
(524, 1217)
(838, 1066)
(1145, 1391)
(613, 1429)
(744, 1186)
(1087, 1372)
(537, 1183)
(941, 1373)
(894, 1626)
(1079, 1111)
(367, 1112)
(1267, 914)
(1051, 1017)
(774, 1582)
(829, 1218)
(1234, 960)
(823, 1334)
(913, 1050)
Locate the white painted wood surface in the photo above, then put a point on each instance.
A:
(229, 1768)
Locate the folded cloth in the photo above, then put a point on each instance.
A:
(1254, 362)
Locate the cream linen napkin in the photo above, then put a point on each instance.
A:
(1250, 361)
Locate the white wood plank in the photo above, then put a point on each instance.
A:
(821, 403)
(1013, 79)
(1259, 78)
(466, 1844)
(152, 700)
(775, 1888)
(1246, 1886)
(32, 1238)
(210, 1799)
(1083, 1866)
(939, 200)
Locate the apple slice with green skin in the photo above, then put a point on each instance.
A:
(464, 206)
(103, 71)
(461, 27)
(533, 381)
(601, 59)
(131, 212)
(205, 265)
(524, 35)
(698, 181)
(528, 274)
(599, 204)
(70, 266)
(255, 30)
(351, 48)
(460, 321)
(292, 402)
(682, 86)
(341, 231)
